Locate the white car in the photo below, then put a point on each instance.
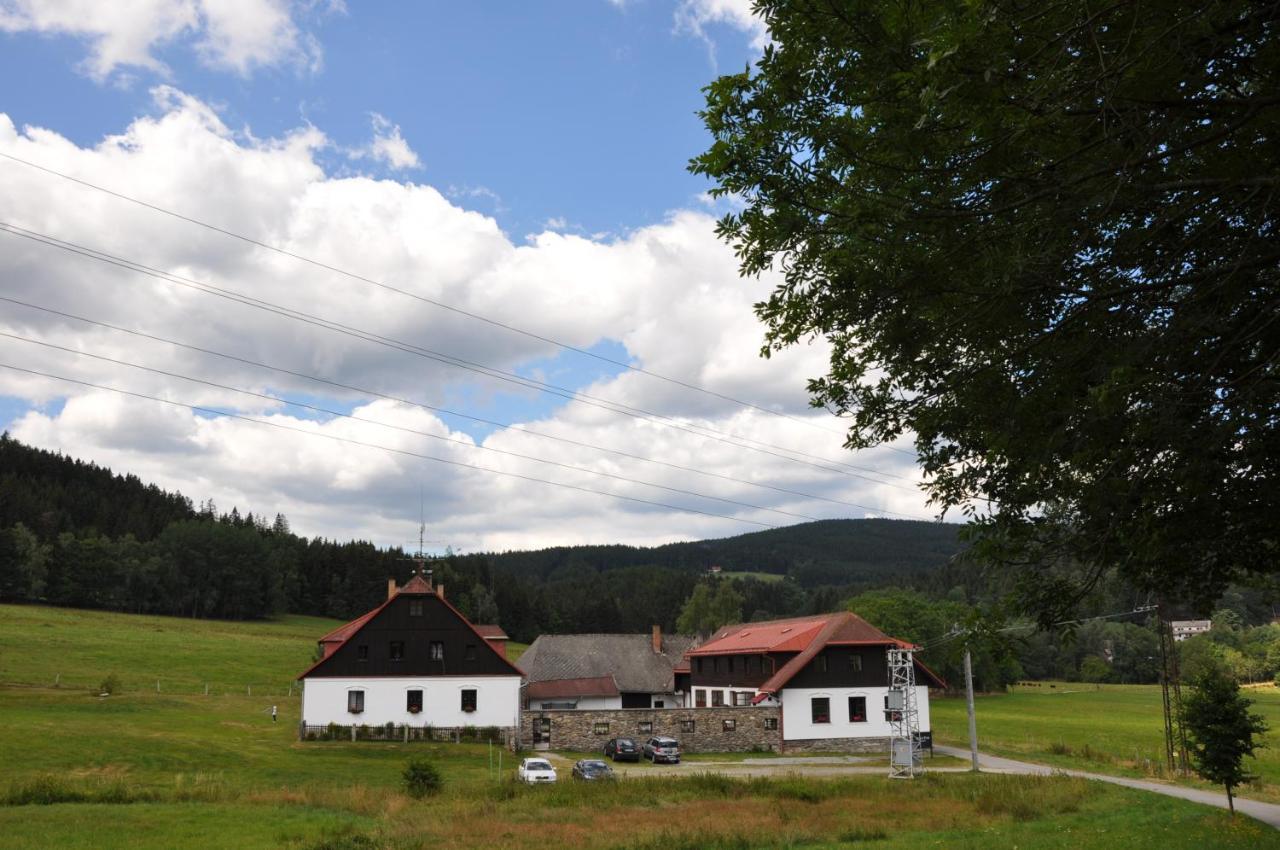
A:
(535, 771)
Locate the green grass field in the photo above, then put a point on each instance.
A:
(1105, 728)
(141, 769)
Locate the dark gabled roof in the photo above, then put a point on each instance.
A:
(600, 686)
(416, 586)
(629, 659)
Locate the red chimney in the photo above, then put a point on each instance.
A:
(657, 639)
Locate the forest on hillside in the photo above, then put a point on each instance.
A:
(78, 535)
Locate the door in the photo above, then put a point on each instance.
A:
(542, 733)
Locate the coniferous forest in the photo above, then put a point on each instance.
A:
(78, 535)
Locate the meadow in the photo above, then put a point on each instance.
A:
(142, 769)
(1103, 728)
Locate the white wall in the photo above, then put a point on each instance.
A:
(324, 701)
(797, 714)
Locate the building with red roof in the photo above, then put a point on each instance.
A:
(828, 672)
(414, 660)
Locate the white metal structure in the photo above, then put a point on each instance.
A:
(904, 716)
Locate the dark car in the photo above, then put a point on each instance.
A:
(662, 749)
(622, 749)
(592, 770)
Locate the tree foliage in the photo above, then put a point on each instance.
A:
(711, 605)
(1220, 729)
(1041, 237)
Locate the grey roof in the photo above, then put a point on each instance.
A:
(630, 659)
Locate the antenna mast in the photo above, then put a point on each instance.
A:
(904, 716)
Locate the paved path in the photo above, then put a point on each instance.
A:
(1268, 813)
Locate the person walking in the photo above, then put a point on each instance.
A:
(273, 714)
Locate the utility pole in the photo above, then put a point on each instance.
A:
(973, 721)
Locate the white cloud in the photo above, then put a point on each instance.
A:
(388, 146)
(234, 35)
(669, 293)
(693, 16)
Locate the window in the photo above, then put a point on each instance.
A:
(820, 708)
(766, 666)
(700, 698)
(742, 698)
(600, 728)
(413, 702)
(747, 663)
(730, 725)
(552, 705)
(820, 663)
(470, 654)
(855, 662)
(771, 724)
(715, 664)
(729, 663)
(687, 726)
(699, 665)
(437, 650)
(857, 709)
(657, 703)
(468, 700)
(717, 698)
(355, 701)
(645, 727)
(397, 650)
(362, 652)
(415, 607)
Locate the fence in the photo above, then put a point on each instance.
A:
(405, 733)
(112, 683)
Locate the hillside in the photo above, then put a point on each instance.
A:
(76, 534)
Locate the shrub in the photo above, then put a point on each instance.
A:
(110, 685)
(421, 778)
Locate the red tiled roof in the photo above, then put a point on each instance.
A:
(806, 636)
(598, 686)
(489, 632)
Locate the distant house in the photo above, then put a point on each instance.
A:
(828, 672)
(1183, 629)
(414, 660)
(603, 671)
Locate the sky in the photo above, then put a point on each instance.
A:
(364, 263)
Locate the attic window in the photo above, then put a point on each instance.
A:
(437, 650)
(470, 654)
(362, 652)
(415, 607)
(397, 650)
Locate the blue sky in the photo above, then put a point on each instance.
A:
(520, 161)
(578, 111)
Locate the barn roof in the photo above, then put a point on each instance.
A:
(598, 686)
(628, 659)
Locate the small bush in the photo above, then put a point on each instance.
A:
(1060, 748)
(421, 778)
(110, 685)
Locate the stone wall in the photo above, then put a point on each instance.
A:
(587, 731)
(839, 745)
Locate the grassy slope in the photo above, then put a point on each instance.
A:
(1107, 728)
(215, 772)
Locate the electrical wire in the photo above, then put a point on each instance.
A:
(347, 440)
(458, 441)
(407, 293)
(449, 360)
(445, 411)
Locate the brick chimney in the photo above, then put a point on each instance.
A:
(391, 587)
(440, 590)
(657, 639)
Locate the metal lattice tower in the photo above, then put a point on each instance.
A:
(904, 716)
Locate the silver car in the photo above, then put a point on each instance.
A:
(662, 749)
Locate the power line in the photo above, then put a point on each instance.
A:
(441, 410)
(399, 291)
(281, 426)
(353, 417)
(449, 360)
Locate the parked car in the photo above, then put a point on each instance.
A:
(592, 770)
(622, 749)
(536, 771)
(662, 749)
